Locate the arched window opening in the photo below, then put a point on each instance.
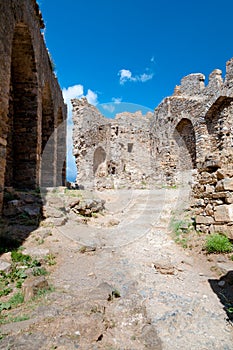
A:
(218, 122)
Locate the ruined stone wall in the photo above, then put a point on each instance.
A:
(32, 110)
(190, 132)
(111, 153)
(193, 131)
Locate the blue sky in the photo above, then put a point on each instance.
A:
(135, 51)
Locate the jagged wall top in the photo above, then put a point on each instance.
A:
(193, 85)
(82, 109)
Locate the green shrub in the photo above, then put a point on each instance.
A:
(217, 243)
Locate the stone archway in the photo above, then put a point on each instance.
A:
(99, 158)
(219, 126)
(185, 145)
(21, 159)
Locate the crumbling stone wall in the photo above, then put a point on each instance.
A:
(32, 110)
(194, 128)
(111, 153)
(190, 132)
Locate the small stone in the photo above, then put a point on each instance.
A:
(31, 287)
(5, 266)
(32, 212)
(6, 257)
(112, 222)
(164, 267)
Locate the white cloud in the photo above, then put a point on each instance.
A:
(117, 100)
(126, 76)
(144, 77)
(92, 97)
(77, 91)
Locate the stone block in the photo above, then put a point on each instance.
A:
(224, 213)
(206, 220)
(217, 195)
(209, 189)
(225, 185)
(229, 198)
(199, 202)
(228, 184)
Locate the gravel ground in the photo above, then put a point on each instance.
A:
(124, 284)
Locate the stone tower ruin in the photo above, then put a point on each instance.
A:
(32, 109)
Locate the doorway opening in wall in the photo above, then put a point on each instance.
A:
(185, 145)
(99, 158)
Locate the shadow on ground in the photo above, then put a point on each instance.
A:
(223, 287)
(22, 213)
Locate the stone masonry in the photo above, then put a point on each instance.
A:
(32, 110)
(111, 153)
(189, 132)
(194, 131)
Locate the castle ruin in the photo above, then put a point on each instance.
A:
(189, 132)
(111, 153)
(32, 110)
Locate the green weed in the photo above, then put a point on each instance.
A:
(23, 259)
(218, 243)
(180, 230)
(42, 292)
(73, 193)
(9, 319)
(13, 302)
(169, 187)
(39, 272)
(50, 259)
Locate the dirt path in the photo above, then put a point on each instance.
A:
(131, 287)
